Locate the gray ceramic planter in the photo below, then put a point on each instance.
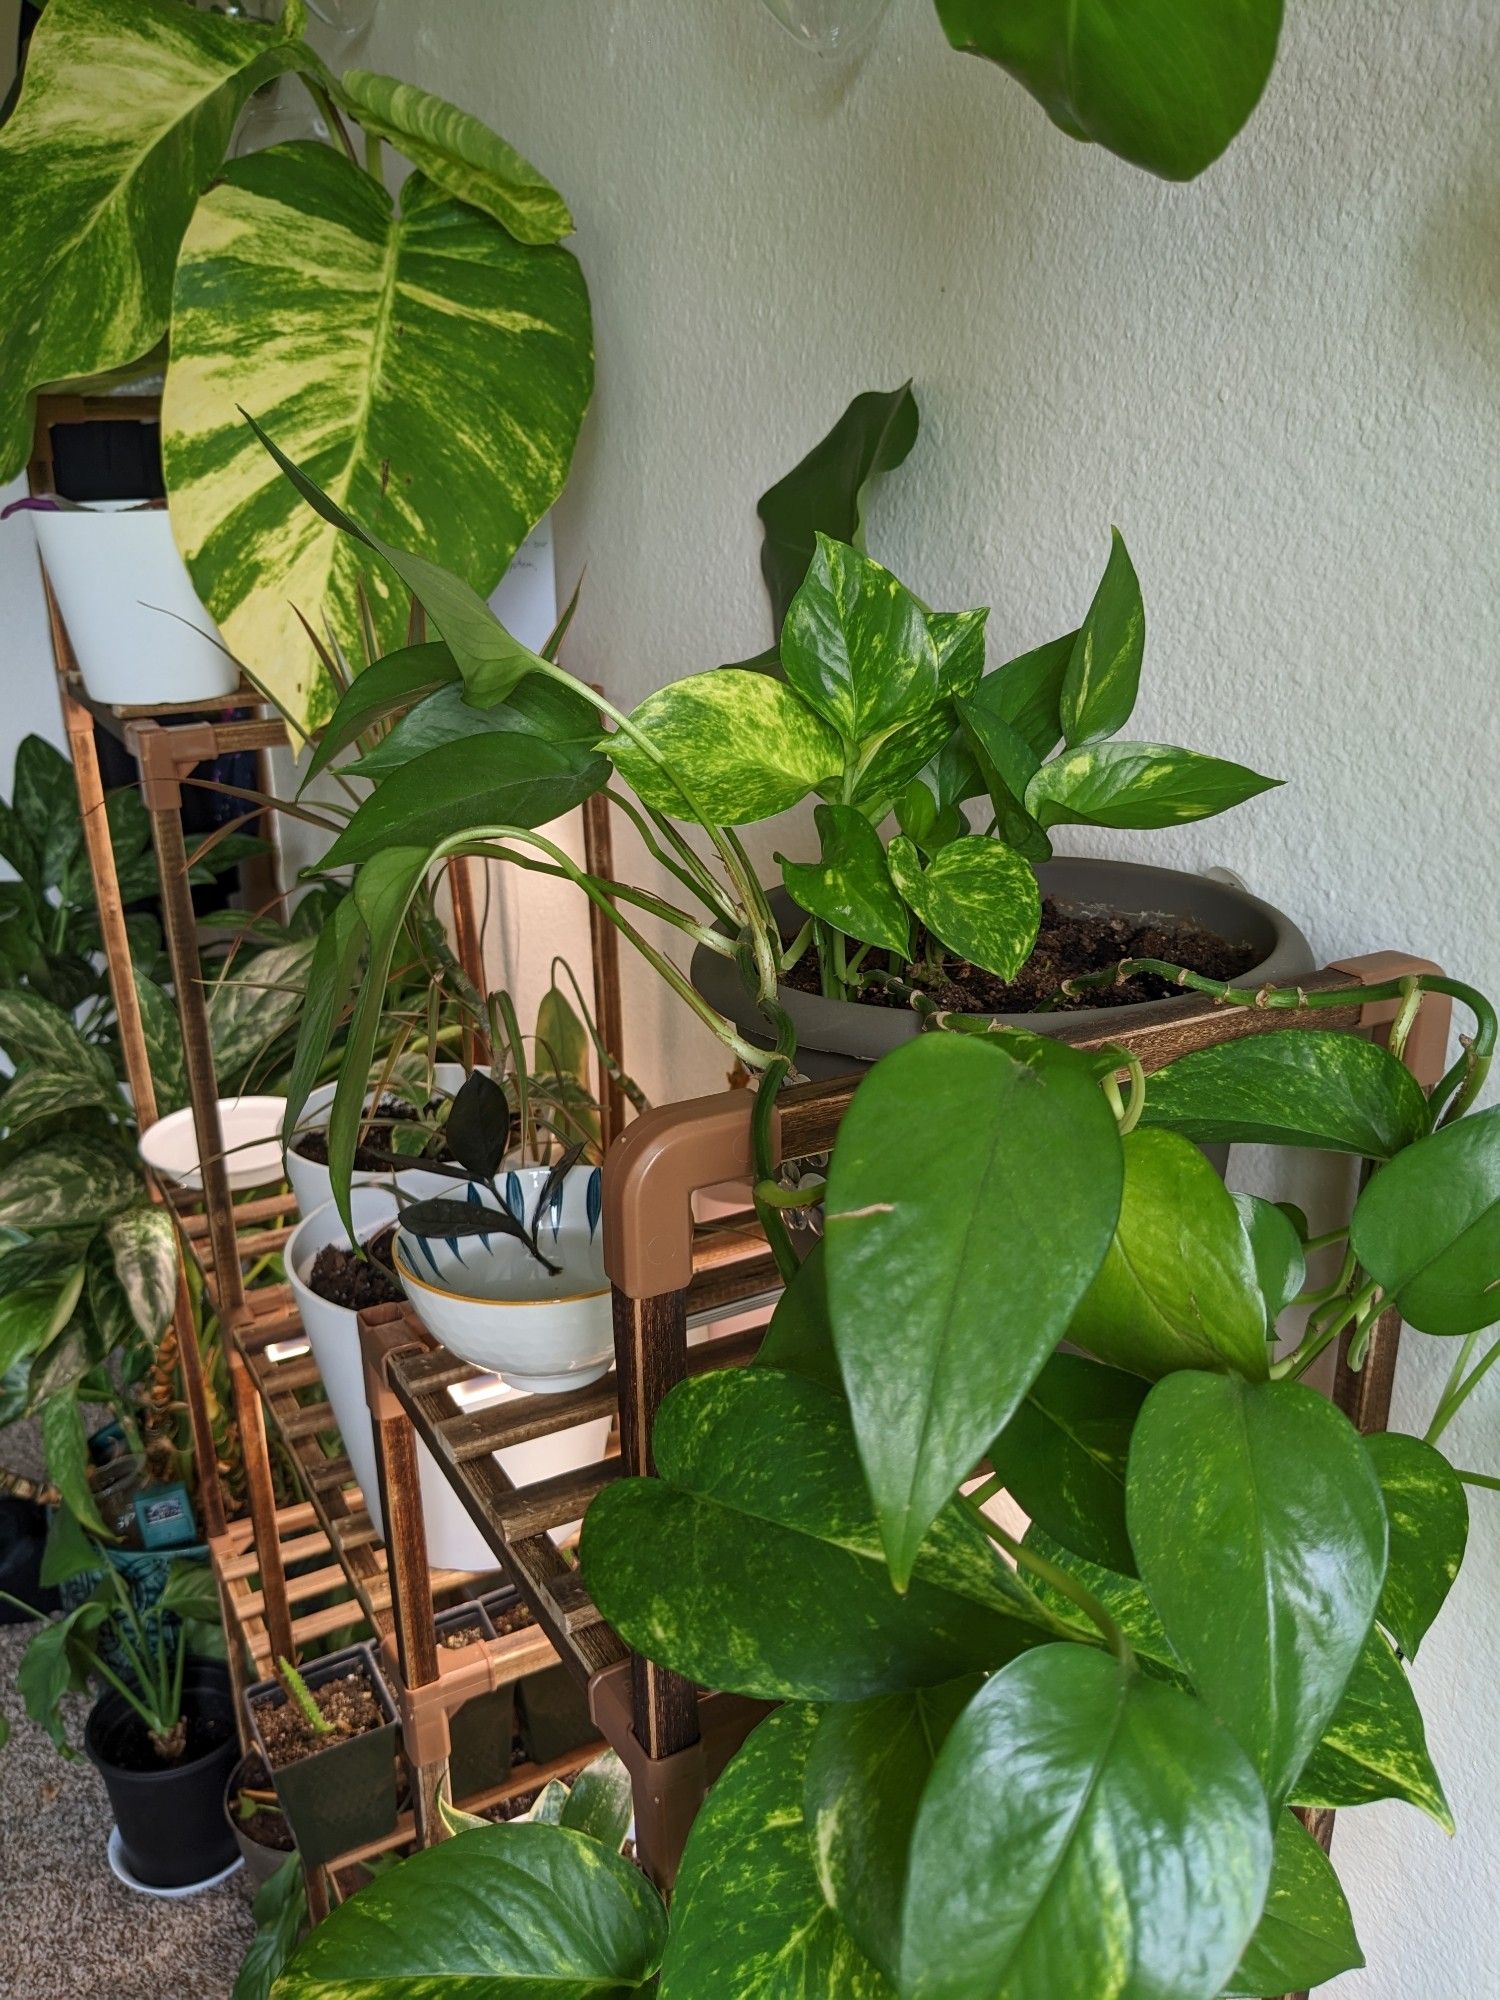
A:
(836, 1036)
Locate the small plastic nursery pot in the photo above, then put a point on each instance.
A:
(170, 1816)
(311, 1182)
(344, 1795)
(481, 1734)
(837, 1036)
(489, 1301)
(137, 628)
(261, 1859)
(552, 1714)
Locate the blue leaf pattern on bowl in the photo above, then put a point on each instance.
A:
(555, 1209)
(476, 1201)
(515, 1199)
(595, 1200)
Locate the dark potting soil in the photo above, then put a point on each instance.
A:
(1070, 942)
(266, 1823)
(348, 1703)
(369, 1154)
(458, 1638)
(345, 1278)
(131, 1748)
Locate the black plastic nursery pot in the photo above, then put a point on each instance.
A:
(344, 1795)
(481, 1734)
(552, 1713)
(837, 1036)
(261, 1857)
(170, 1816)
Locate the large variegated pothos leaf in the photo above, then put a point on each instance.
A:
(123, 119)
(426, 370)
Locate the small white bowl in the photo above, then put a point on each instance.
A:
(489, 1302)
(251, 1131)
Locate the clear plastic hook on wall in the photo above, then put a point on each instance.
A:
(827, 27)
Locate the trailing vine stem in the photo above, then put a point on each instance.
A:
(1051, 1574)
(769, 1212)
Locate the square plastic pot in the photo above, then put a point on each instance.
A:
(481, 1733)
(553, 1715)
(344, 1796)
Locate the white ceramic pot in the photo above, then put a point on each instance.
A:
(312, 1184)
(136, 625)
(489, 1301)
(453, 1542)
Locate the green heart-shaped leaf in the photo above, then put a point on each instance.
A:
(1063, 1454)
(1006, 765)
(1427, 1227)
(1306, 1934)
(978, 897)
(1375, 1746)
(1026, 693)
(736, 747)
(1104, 668)
(547, 710)
(1276, 1252)
(849, 886)
(1138, 785)
(971, 1196)
(856, 646)
(1428, 1512)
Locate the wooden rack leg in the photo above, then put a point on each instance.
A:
(598, 857)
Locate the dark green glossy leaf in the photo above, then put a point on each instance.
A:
(1062, 1456)
(1104, 669)
(1007, 765)
(492, 780)
(1138, 785)
(799, 1338)
(280, 1913)
(35, 1312)
(1026, 693)
(541, 708)
(849, 886)
(748, 1916)
(737, 747)
(1276, 1252)
(1427, 1227)
(971, 1197)
(1428, 1512)
(386, 687)
(1306, 1934)
(1165, 84)
(1082, 1816)
(978, 897)
(477, 1131)
(869, 1765)
(825, 491)
(856, 646)
(958, 637)
(525, 1908)
(753, 1563)
(1293, 1087)
(1177, 1288)
(927, 825)
(55, 1664)
(1375, 1747)
(1260, 1534)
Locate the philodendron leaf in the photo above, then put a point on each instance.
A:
(460, 153)
(1165, 84)
(1276, 1252)
(525, 1907)
(748, 1916)
(1427, 1227)
(1082, 1816)
(799, 1338)
(1006, 765)
(1104, 668)
(143, 1246)
(1428, 1512)
(366, 318)
(856, 646)
(1260, 1533)
(1063, 1454)
(978, 897)
(753, 1563)
(850, 886)
(1178, 1286)
(958, 637)
(736, 747)
(393, 683)
(1138, 785)
(1375, 1747)
(1306, 1934)
(1026, 694)
(869, 1764)
(971, 1197)
(825, 491)
(124, 118)
(1293, 1087)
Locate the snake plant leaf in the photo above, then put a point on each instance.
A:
(1306, 1934)
(1006, 766)
(1138, 785)
(1063, 1456)
(1081, 1815)
(1427, 1227)
(978, 897)
(856, 646)
(1293, 1087)
(549, 710)
(753, 1563)
(360, 322)
(1164, 84)
(799, 1337)
(1260, 1533)
(528, 1908)
(123, 120)
(825, 491)
(849, 885)
(143, 1244)
(1027, 694)
(748, 1916)
(1375, 1746)
(1275, 1251)
(1104, 669)
(394, 683)
(1428, 1512)
(869, 1764)
(742, 746)
(1177, 1288)
(458, 153)
(971, 1198)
